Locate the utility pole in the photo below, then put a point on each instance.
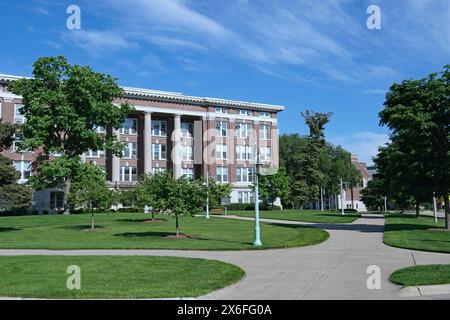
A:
(321, 199)
(435, 208)
(207, 192)
(342, 198)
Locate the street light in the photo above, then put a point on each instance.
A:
(257, 242)
(342, 198)
(207, 192)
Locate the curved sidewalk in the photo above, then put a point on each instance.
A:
(334, 269)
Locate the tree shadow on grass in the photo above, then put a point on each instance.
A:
(407, 227)
(366, 228)
(81, 227)
(8, 229)
(142, 220)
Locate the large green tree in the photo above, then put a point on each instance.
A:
(418, 114)
(13, 196)
(64, 105)
(274, 186)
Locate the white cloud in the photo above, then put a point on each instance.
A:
(363, 144)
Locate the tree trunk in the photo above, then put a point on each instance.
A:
(92, 220)
(417, 210)
(177, 226)
(67, 186)
(447, 212)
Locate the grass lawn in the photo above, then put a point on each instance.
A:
(422, 233)
(129, 231)
(422, 275)
(302, 215)
(114, 277)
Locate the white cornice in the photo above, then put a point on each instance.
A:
(131, 92)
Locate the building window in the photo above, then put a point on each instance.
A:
(158, 170)
(244, 130)
(244, 175)
(92, 154)
(221, 110)
(159, 128)
(265, 154)
(128, 174)
(244, 152)
(222, 174)
(129, 126)
(23, 168)
(130, 151)
(222, 128)
(264, 114)
(245, 112)
(187, 153)
(187, 130)
(221, 151)
(56, 200)
(159, 151)
(245, 197)
(100, 129)
(187, 173)
(18, 117)
(264, 132)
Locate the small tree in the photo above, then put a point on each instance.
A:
(186, 198)
(90, 190)
(13, 196)
(274, 186)
(64, 105)
(217, 191)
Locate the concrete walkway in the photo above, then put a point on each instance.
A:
(335, 269)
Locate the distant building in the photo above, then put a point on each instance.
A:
(352, 198)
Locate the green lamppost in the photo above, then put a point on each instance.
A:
(257, 242)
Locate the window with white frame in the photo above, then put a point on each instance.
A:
(245, 112)
(24, 168)
(264, 132)
(18, 117)
(244, 130)
(187, 173)
(94, 154)
(158, 170)
(264, 114)
(221, 110)
(244, 175)
(159, 151)
(187, 130)
(221, 151)
(221, 128)
(244, 152)
(159, 128)
(130, 151)
(129, 126)
(56, 200)
(222, 174)
(100, 129)
(17, 142)
(187, 153)
(245, 197)
(128, 174)
(265, 154)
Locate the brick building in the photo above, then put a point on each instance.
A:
(191, 136)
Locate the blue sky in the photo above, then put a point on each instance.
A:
(303, 54)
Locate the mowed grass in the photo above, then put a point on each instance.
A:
(114, 277)
(302, 215)
(422, 275)
(130, 231)
(416, 233)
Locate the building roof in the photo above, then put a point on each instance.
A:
(142, 93)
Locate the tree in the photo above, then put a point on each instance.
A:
(373, 195)
(217, 191)
(418, 114)
(64, 105)
(13, 196)
(274, 186)
(308, 177)
(89, 190)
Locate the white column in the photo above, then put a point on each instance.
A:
(116, 162)
(176, 151)
(148, 142)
